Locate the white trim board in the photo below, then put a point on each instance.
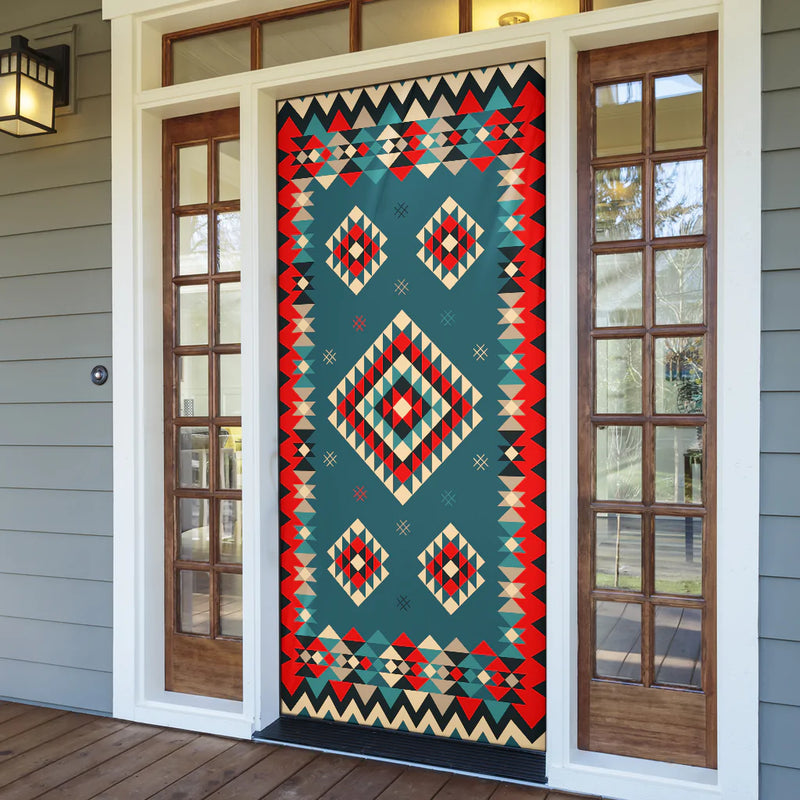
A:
(138, 578)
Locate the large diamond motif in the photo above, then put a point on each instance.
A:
(404, 407)
(450, 242)
(356, 250)
(358, 562)
(451, 568)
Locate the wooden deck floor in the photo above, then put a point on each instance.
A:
(46, 753)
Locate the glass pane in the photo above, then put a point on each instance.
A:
(230, 458)
(304, 38)
(230, 531)
(679, 465)
(192, 175)
(679, 375)
(679, 286)
(230, 325)
(193, 245)
(618, 379)
(230, 605)
(228, 170)
(618, 630)
(385, 22)
(679, 198)
(618, 118)
(193, 591)
(679, 646)
(193, 524)
(220, 53)
(679, 111)
(618, 551)
(193, 386)
(679, 555)
(618, 292)
(618, 203)
(230, 385)
(613, 3)
(193, 314)
(487, 13)
(229, 242)
(193, 458)
(619, 462)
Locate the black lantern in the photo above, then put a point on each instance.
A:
(32, 84)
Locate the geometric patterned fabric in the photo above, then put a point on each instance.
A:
(411, 406)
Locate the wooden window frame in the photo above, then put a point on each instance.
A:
(639, 719)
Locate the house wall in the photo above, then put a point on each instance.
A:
(55, 425)
(780, 423)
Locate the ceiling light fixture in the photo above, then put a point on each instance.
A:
(514, 18)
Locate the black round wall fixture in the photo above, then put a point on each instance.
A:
(99, 375)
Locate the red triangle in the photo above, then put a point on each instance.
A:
(350, 177)
(403, 641)
(339, 123)
(416, 682)
(352, 636)
(483, 649)
(469, 105)
(482, 163)
(341, 688)
(401, 172)
(469, 704)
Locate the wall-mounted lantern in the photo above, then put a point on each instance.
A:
(33, 83)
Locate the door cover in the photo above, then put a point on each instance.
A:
(411, 313)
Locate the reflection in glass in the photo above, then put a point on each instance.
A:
(304, 38)
(679, 111)
(193, 591)
(230, 531)
(193, 245)
(193, 524)
(619, 462)
(678, 373)
(230, 605)
(618, 551)
(679, 198)
(486, 13)
(618, 631)
(192, 174)
(229, 242)
(679, 286)
(211, 55)
(679, 464)
(229, 309)
(618, 118)
(679, 555)
(385, 22)
(618, 378)
(618, 289)
(230, 385)
(679, 646)
(228, 170)
(230, 458)
(192, 386)
(193, 456)
(193, 314)
(618, 203)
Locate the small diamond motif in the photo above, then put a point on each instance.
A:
(358, 562)
(356, 250)
(451, 568)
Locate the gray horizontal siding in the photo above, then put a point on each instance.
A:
(55, 425)
(780, 383)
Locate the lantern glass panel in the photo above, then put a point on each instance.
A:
(36, 102)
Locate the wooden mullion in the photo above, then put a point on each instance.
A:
(355, 26)
(464, 16)
(255, 45)
(586, 5)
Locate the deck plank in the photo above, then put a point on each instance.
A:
(461, 786)
(421, 784)
(61, 726)
(9, 710)
(315, 778)
(513, 791)
(30, 718)
(367, 780)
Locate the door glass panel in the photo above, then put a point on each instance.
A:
(230, 385)
(193, 245)
(618, 117)
(679, 286)
(618, 203)
(618, 379)
(229, 305)
(193, 175)
(618, 631)
(230, 604)
(192, 386)
(618, 551)
(229, 170)
(211, 55)
(304, 38)
(229, 242)
(619, 462)
(679, 198)
(193, 604)
(193, 458)
(679, 464)
(679, 111)
(230, 458)
(230, 531)
(193, 314)
(385, 22)
(618, 289)
(679, 375)
(679, 646)
(193, 526)
(679, 555)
